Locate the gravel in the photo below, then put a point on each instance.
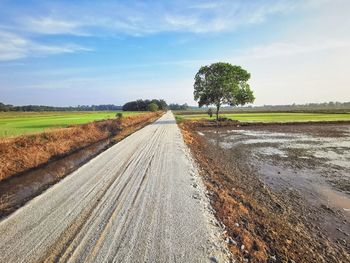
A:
(132, 203)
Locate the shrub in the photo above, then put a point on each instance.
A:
(153, 107)
(119, 115)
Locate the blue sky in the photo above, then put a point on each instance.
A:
(95, 52)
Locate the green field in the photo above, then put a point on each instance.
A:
(269, 117)
(17, 123)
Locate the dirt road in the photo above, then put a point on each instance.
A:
(139, 201)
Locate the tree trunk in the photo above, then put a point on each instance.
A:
(217, 112)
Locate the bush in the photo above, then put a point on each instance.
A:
(210, 112)
(119, 115)
(153, 107)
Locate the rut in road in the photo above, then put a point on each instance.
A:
(132, 203)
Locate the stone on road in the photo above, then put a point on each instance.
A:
(132, 203)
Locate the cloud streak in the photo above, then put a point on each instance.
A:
(91, 19)
(137, 18)
(281, 49)
(52, 26)
(14, 47)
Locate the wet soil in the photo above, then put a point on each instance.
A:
(282, 191)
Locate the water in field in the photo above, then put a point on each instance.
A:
(334, 151)
(312, 160)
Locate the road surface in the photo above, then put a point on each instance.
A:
(135, 202)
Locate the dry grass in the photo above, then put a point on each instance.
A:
(22, 153)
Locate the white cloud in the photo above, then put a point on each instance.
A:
(136, 18)
(207, 5)
(50, 25)
(180, 22)
(14, 47)
(278, 49)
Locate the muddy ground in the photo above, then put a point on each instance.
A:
(282, 191)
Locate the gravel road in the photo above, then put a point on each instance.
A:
(139, 201)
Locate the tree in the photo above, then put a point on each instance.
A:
(210, 112)
(142, 105)
(162, 105)
(4, 107)
(222, 84)
(153, 107)
(175, 106)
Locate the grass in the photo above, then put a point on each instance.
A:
(18, 123)
(270, 117)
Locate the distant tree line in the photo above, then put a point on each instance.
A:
(38, 108)
(145, 105)
(324, 106)
(175, 106)
(138, 105)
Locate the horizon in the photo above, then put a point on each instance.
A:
(114, 52)
(190, 106)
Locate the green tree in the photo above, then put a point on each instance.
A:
(222, 84)
(153, 106)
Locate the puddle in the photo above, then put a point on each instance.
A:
(334, 151)
(335, 199)
(341, 158)
(272, 151)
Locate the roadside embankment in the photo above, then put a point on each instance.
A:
(20, 154)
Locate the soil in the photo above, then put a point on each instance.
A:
(282, 191)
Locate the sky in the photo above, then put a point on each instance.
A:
(72, 52)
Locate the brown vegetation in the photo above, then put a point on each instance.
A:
(22, 153)
(260, 224)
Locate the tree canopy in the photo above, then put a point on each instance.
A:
(153, 107)
(222, 84)
(175, 106)
(143, 105)
(42, 108)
